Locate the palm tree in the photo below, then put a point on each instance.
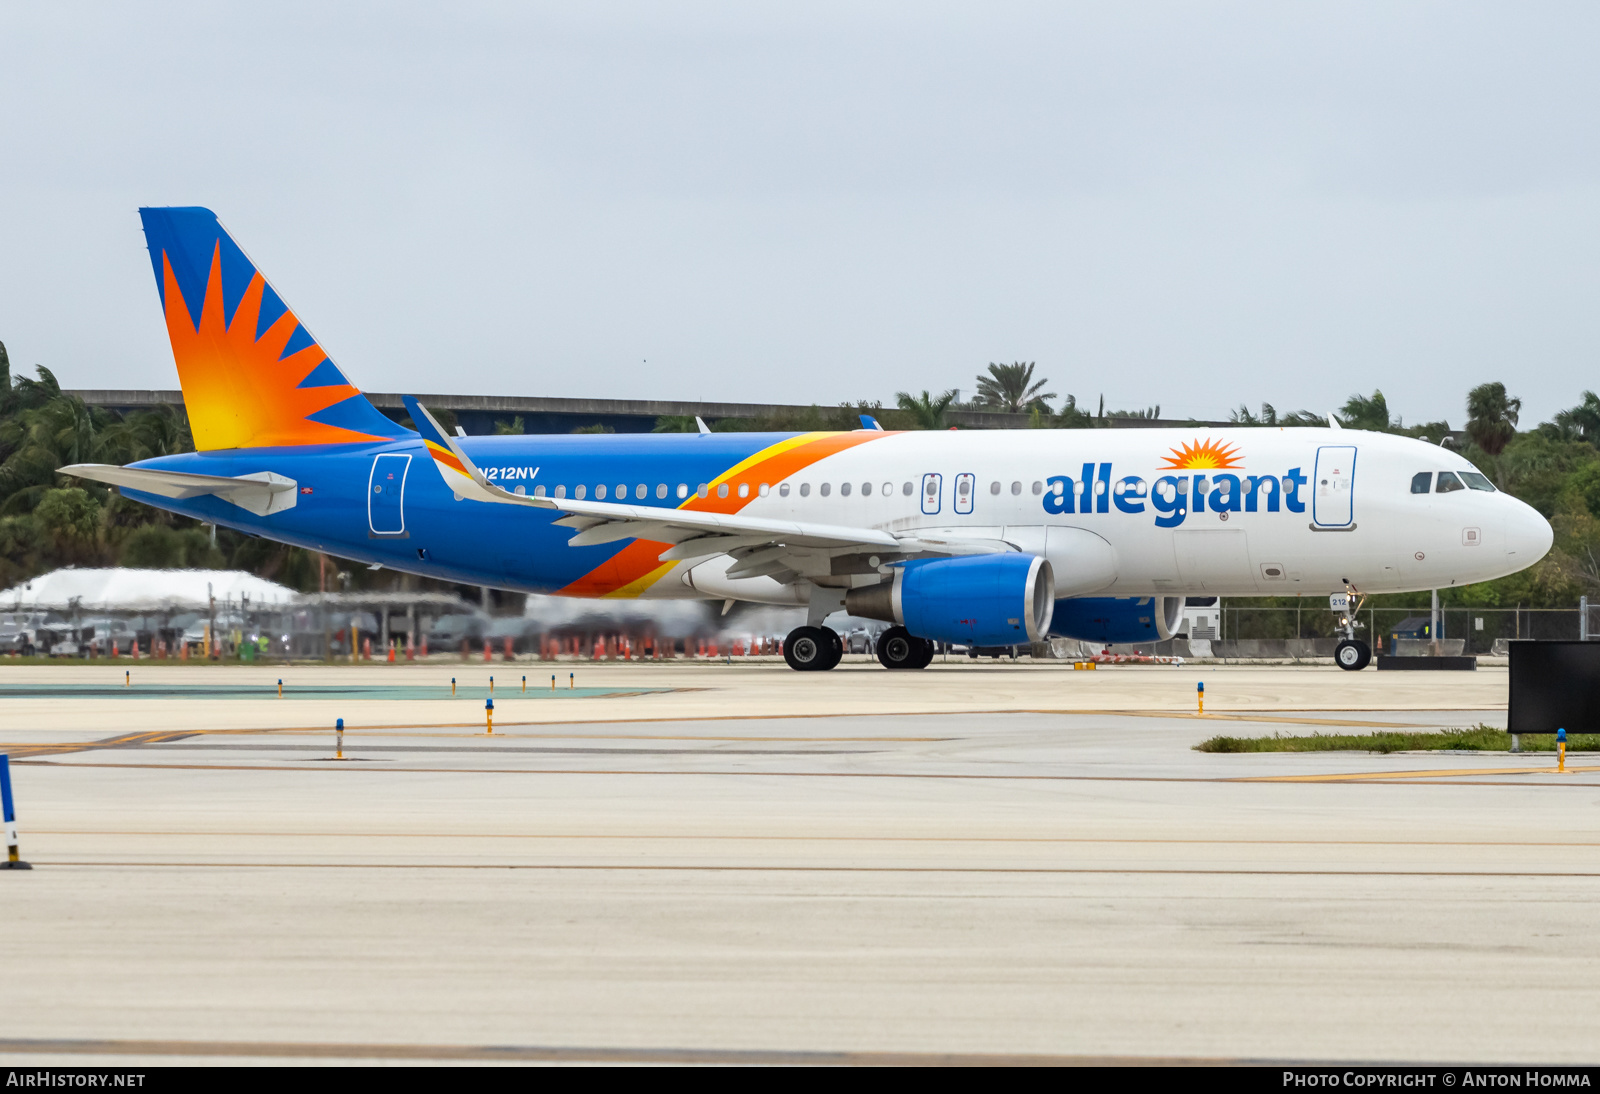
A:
(1492, 421)
(1012, 388)
(1073, 418)
(928, 411)
(1582, 422)
(1363, 412)
(1492, 417)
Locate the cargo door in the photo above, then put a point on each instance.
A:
(1332, 496)
(1217, 562)
(386, 492)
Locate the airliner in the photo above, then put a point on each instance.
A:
(979, 538)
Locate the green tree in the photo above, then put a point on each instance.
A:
(1012, 388)
(71, 518)
(1073, 418)
(1582, 422)
(928, 410)
(513, 428)
(1365, 412)
(676, 423)
(1492, 417)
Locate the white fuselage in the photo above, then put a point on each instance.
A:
(1293, 511)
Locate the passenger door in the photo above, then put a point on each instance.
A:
(386, 491)
(1332, 486)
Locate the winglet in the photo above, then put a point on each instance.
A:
(700, 423)
(869, 422)
(1333, 423)
(460, 474)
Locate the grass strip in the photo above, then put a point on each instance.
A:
(1480, 738)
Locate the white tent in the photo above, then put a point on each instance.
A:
(127, 590)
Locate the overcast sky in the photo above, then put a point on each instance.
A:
(1190, 204)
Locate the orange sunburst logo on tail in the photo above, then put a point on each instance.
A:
(1209, 454)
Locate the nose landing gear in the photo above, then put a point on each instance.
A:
(813, 649)
(1351, 654)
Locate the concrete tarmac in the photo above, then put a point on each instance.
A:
(743, 864)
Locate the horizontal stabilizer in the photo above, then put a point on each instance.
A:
(262, 493)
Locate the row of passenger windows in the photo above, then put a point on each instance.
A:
(642, 490)
(1423, 481)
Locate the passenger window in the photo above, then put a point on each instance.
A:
(641, 490)
(783, 490)
(994, 488)
(1422, 482)
(561, 491)
(538, 491)
(1448, 483)
(600, 492)
(744, 490)
(683, 490)
(703, 491)
(908, 489)
(825, 488)
(722, 490)
(764, 490)
(1038, 488)
(1477, 481)
(1016, 489)
(661, 490)
(844, 490)
(888, 489)
(579, 491)
(805, 490)
(622, 491)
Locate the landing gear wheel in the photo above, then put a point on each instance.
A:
(898, 649)
(1352, 655)
(812, 649)
(929, 648)
(835, 647)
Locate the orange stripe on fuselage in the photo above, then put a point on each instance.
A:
(624, 573)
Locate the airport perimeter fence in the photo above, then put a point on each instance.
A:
(1483, 631)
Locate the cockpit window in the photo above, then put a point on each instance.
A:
(1422, 482)
(1447, 483)
(1477, 481)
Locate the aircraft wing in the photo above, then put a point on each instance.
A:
(778, 548)
(261, 493)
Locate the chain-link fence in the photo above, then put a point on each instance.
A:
(1480, 630)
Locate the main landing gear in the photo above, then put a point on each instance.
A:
(812, 649)
(1352, 654)
(899, 649)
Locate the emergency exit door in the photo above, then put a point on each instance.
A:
(386, 494)
(1333, 486)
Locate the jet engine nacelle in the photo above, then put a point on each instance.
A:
(976, 600)
(1118, 618)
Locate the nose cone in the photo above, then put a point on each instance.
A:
(1528, 535)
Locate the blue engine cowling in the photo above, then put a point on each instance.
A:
(976, 600)
(1118, 618)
